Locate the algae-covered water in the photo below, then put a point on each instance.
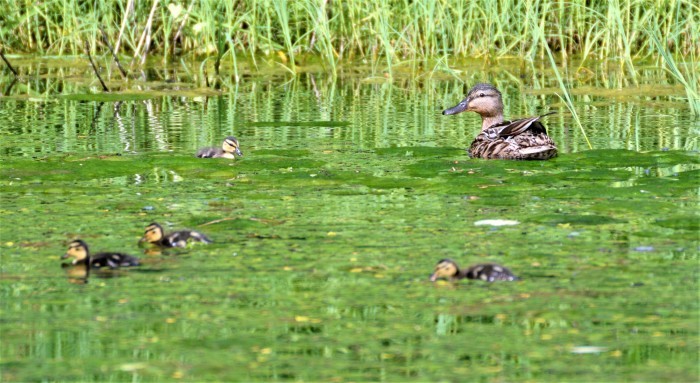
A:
(326, 230)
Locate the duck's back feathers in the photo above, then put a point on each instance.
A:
(522, 147)
(517, 127)
(112, 260)
(210, 152)
(490, 272)
(180, 238)
(524, 139)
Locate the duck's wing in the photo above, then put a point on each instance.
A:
(518, 127)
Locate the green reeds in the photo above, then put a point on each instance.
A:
(358, 28)
(687, 73)
(566, 97)
(385, 33)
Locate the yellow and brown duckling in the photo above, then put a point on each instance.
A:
(229, 149)
(489, 272)
(155, 235)
(78, 250)
(524, 139)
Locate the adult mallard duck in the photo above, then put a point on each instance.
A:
(229, 149)
(154, 234)
(489, 272)
(524, 139)
(78, 250)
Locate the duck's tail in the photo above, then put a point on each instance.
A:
(543, 152)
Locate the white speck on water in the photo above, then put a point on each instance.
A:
(496, 222)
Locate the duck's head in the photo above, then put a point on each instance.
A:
(445, 268)
(230, 145)
(78, 250)
(153, 233)
(483, 99)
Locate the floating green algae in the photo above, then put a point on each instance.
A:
(324, 237)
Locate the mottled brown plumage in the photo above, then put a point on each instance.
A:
(489, 272)
(523, 139)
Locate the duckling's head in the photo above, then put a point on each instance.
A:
(230, 145)
(483, 99)
(153, 233)
(78, 250)
(445, 268)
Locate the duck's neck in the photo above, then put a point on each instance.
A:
(489, 121)
(460, 274)
(88, 265)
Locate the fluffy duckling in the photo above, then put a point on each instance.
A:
(78, 250)
(489, 272)
(154, 234)
(524, 139)
(227, 150)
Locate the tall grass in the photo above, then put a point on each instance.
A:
(355, 29)
(538, 34)
(687, 73)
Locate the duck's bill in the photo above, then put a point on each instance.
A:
(64, 256)
(238, 153)
(459, 108)
(433, 277)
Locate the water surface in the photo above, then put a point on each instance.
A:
(327, 229)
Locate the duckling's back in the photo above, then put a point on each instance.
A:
(113, 260)
(210, 152)
(490, 272)
(180, 238)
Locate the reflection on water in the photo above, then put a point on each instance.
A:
(314, 110)
(326, 231)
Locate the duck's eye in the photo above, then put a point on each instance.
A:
(481, 95)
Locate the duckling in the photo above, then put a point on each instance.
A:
(227, 150)
(524, 139)
(489, 272)
(154, 234)
(78, 250)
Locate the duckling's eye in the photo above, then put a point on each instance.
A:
(481, 95)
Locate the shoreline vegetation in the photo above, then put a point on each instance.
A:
(355, 29)
(423, 34)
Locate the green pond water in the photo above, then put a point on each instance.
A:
(326, 231)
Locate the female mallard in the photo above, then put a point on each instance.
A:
(154, 234)
(489, 272)
(227, 150)
(78, 250)
(524, 139)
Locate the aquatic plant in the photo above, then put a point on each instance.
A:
(566, 96)
(354, 29)
(686, 74)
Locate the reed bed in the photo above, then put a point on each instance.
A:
(344, 31)
(383, 34)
